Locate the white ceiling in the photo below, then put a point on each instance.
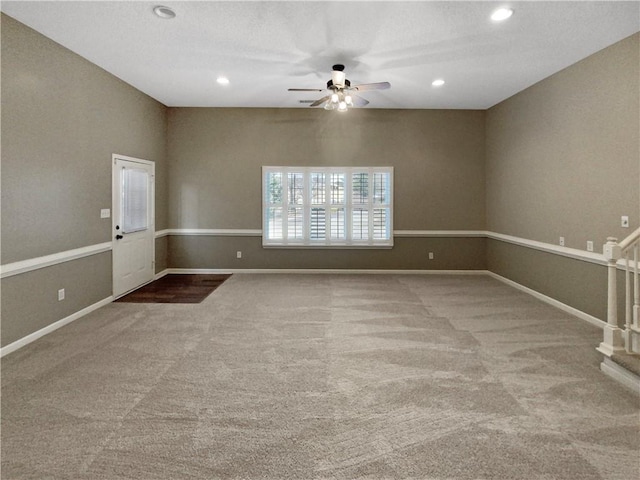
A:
(265, 47)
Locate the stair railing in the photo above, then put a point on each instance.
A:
(617, 340)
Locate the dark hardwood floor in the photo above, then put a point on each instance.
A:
(176, 289)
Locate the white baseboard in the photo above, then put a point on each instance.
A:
(60, 323)
(161, 274)
(12, 347)
(551, 301)
(332, 271)
(620, 374)
(540, 296)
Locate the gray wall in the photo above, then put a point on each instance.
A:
(563, 156)
(580, 284)
(216, 157)
(560, 158)
(407, 254)
(62, 119)
(563, 159)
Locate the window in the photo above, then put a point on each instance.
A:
(327, 207)
(134, 200)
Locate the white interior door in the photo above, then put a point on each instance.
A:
(133, 223)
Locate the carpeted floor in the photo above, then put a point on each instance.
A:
(321, 377)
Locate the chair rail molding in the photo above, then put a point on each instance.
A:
(23, 266)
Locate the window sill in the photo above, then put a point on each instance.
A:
(329, 247)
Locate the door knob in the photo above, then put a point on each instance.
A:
(118, 237)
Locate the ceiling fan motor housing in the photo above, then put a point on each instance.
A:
(338, 77)
(331, 85)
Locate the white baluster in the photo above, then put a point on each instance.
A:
(612, 341)
(627, 303)
(635, 343)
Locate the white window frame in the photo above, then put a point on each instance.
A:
(327, 242)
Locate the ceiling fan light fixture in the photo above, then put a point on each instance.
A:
(339, 95)
(501, 14)
(164, 12)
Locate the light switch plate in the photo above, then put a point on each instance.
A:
(105, 213)
(624, 221)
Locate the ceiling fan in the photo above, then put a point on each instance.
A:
(342, 94)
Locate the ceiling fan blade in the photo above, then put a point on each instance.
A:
(359, 101)
(320, 101)
(371, 86)
(305, 90)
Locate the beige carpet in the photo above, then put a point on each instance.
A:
(321, 377)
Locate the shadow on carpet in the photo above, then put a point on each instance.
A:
(176, 289)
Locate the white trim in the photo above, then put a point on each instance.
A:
(630, 240)
(119, 270)
(115, 156)
(324, 246)
(334, 271)
(23, 266)
(575, 253)
(214, 232)
(161, 274)
(304, 205)
(440, 233)
(12, 347)
(620, 374)
(60, 323)
(540, 296)
(551, 301)
(245, 232)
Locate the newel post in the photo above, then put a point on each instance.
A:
(612, 341)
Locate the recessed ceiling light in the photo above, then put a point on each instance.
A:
(222, 80)
(501, 14)
(164, 12)
(437, 83)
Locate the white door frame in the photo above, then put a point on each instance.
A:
(116, 215)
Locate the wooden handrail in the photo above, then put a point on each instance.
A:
(630, 240)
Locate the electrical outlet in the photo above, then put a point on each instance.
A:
(238, 254)
(589, 246)
(624, 221)
(562, 241)
(61, 294)
(430, 255)
(105, 213)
